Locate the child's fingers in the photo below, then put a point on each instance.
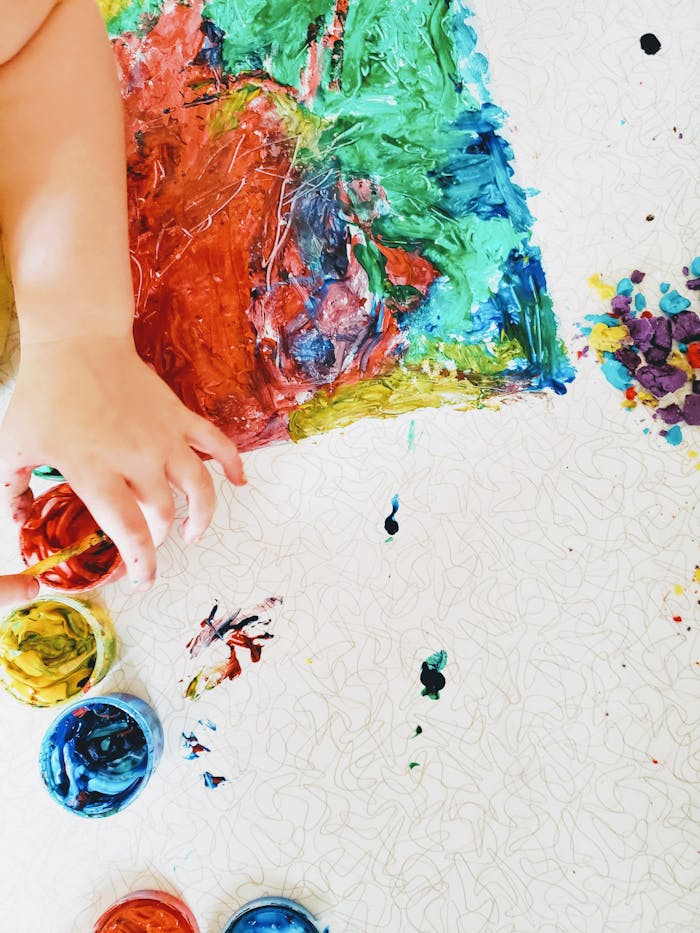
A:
(189, 474)
(17, 588)
(208, 439)
(155, 498)
(114, 507)
(16, 494)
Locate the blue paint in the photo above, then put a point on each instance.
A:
(674, 435)
(608, 319)
(208, 723)
(212, 781)
(695, 266)
(273, 915)
(391, 526)
(98, 755)
(616, 374)
(673, 303)
(625, 287)
(640, 302)
(314, 352)
(664, 287)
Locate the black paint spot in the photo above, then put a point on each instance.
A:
(432, 680)
(649, 43)
(391, 526)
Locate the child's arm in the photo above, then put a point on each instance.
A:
(84, 401)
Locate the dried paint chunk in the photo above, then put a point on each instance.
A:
(214, 646)
(431, 675)
(649, 43)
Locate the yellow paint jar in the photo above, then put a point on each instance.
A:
(55, 648)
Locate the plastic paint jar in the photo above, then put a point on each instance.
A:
(57, 519)
(53, 649)
(147, 912)
(99, 754)
(273, 915)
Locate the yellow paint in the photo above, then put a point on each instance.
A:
(692, 453)
(676, 358)
(112, 8)
(309, 660)
(696, 575)
(646, 398)
(606, 339)
(629, 404)
(225, 117)
(678, 589)
(399, 392)
(605, 291)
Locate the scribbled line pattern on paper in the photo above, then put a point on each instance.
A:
(214, 647)
(324, 224)
(649, 348)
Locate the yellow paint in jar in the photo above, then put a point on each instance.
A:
(55, 648)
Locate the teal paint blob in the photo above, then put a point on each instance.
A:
(664, 287)
(674, 436)
(616, 374)
(431, 677)
(695, 266)
(673, 303)
(625, 287)
(640, 302)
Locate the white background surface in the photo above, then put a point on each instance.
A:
(538, 545)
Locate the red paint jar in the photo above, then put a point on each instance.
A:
(57, 519)
(147, 912)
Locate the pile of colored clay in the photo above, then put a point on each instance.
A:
(653, 356)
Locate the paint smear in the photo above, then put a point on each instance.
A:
(191, 746)
(648, 347)
(391, 526)
(324, 223)
(216, 646)
(212, 781)
(431, 675)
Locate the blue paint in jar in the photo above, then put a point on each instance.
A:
(99, 754)
(273, 915)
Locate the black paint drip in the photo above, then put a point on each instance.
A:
(432, 679)
(649, 43)
(391, 526)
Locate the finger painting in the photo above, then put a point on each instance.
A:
(324, 222)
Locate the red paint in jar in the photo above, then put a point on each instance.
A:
(57, 519)
(147, 912)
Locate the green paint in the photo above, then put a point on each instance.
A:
(135, 16)
(419, 731)
(413, 764)
(437, 661)
(412, 435)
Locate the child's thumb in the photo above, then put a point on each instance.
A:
(17, 588)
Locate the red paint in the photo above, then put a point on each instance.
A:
(694, 354)
(147, 912)
(646, 314)
(678, 618)
(631, 393)
(56, 520)
(654, 761)
(221, 287)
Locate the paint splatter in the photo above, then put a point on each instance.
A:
(324, 223)
(214, 646)
(652, 357)
(391, 526)
(413, 764)
(412, 435)
(191, 746)
(208, 724)
(419, 731)
(649, 43)
(431, 675)
(212, 781)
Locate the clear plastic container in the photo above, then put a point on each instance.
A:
(99, 754)
(55, 648)
(147, 912)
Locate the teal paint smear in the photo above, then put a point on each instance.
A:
(616, 374)
(437, 661)
(673, 303)
(412, 435)
(695, 266)
(664, 287)
(625, 287)
(411, 111)
(640, 302)
(135, 18)
(674, 436)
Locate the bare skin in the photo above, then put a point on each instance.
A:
(84, 401)
(14, 588)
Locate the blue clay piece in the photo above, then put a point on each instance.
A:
(664, 287)
(616, 374)
(625, 287)
(98, 755)
(640, 301)
(695, 266)
(273, 915)
(674, 436)
(673, 303)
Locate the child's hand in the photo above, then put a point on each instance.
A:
(90, 407)
(17, 589)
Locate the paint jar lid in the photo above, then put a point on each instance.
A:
(55, 648)
(100, 753)
(273, 915)
(155, 911)
(57, 519)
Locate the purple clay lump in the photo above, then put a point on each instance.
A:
(660, 380)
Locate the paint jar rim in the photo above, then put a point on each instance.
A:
(114, 571)
(298, 911)
(102, 630)
(179, 907)
(146, 719)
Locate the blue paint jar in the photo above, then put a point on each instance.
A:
(273, 915)
(99, 754)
